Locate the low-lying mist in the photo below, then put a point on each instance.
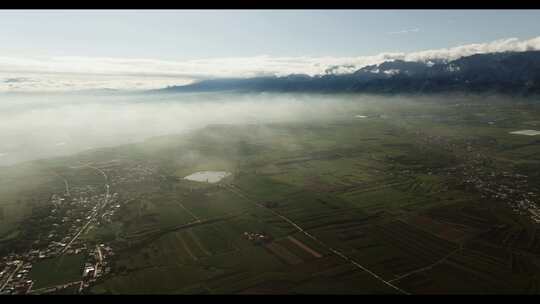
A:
(34, 126)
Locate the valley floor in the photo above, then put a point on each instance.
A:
(411, 199)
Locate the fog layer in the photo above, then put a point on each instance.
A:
(42, 126)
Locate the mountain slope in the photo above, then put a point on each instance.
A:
(511, 73)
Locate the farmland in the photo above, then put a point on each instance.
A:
(409, 200)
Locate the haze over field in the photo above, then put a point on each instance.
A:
(34, 126)
(58, 98)
(49, 125)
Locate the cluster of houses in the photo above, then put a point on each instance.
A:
(511, 188)
(14, 276)
(70, 216)
(96, 265)
(257, 237)
(133, 174)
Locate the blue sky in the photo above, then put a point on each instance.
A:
(193, 34)
(77, 49)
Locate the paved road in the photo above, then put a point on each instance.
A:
(94, 214)
(197, 219)
(99, 254)
(78, 233)
(53, 288)
(67, 187)
(65, 183)
(106, 183)
(98, 262)
(11, 276)
(99, 170)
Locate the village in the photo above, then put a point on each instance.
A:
(511, 188)
(70, 216)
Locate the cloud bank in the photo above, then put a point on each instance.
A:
(82, 73)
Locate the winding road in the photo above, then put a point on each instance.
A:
(94, 214)
(66, 183)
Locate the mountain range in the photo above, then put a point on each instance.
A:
(515, 73)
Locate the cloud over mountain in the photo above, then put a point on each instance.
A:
(79, 73)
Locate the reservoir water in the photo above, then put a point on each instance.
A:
(207, 176)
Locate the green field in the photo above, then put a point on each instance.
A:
(382, 191)
(57, 271)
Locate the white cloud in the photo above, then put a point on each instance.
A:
(407, 31)
(78, 73)
(502, 45)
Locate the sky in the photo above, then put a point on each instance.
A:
(131, 49)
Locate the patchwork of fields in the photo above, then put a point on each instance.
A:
(371, 205)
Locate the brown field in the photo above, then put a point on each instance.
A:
(303, 246)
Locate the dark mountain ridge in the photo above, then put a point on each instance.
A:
(516, 73)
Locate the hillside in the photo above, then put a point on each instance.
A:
(515, 73)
